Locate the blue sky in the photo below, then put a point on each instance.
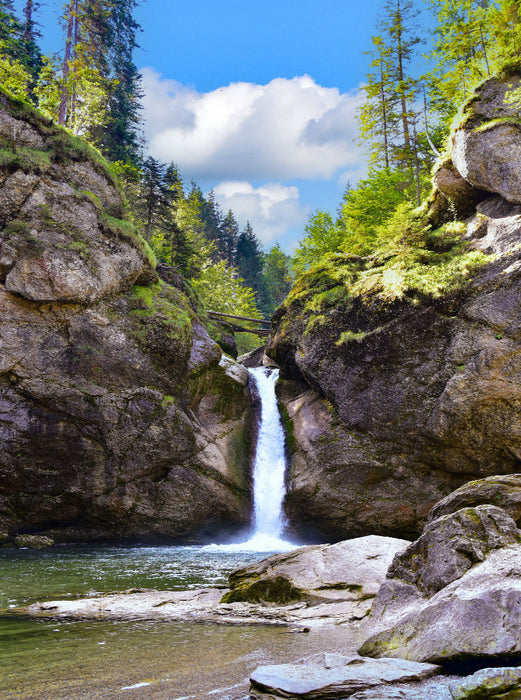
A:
(256, 100)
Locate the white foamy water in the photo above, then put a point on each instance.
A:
(268, 474)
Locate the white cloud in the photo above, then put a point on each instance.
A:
(271, 209)
(285, 129)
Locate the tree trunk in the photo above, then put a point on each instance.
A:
(384, 114)
(64, 98)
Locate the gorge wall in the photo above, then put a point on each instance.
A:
(393, 403)
(119, 418)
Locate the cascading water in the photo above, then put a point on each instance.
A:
(268, 472)
(270, 462)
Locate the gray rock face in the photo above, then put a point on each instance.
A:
(489, 683)
(487, 145)
(423, 398)
(438, 604)
(347, 571)
(117, 419)
(332, 676)
(501, 491)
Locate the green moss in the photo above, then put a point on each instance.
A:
(29, 160)
(83, 195)
(161, 317)
(274, 590)
(289, 429)
(500, 121)
(350, 336)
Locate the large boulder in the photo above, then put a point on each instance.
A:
(326, 676)
(450, 546)
(459, 195)
(347, 571)
(486, 147)
(454, 594)
(118, 417)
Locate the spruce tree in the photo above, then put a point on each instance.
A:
(227, 241)
(249, 262)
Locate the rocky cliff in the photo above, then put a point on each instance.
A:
(394, 400)
(118, 416)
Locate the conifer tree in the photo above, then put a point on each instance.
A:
(227, 241)
(461, 51)
(249, 262)
(377, 117)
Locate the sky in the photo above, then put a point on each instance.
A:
(254, 99)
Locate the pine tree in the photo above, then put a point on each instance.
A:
(461, 50)
(114, 31)
(20, 58)
(152, 194)
(249, 262)
(399, 29)
(212, 218)
(32, 55)
(227, 241)
(277, 279)
(377, 116)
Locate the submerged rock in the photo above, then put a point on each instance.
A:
(347, 571)
(332, 676)
(33, 541)
(117, 419)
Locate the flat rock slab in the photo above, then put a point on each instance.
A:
(197, 605)
(327, 676)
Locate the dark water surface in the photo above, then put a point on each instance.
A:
(52, 659)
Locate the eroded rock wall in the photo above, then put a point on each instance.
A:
(393, 404)
(119, 419)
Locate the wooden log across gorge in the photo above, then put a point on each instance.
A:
(218, 315)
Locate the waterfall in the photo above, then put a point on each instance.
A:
(270, 461)
(268, 472)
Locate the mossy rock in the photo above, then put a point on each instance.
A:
(274, 590)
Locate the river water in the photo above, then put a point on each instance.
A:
(55, 659)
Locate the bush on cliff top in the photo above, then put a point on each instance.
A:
(409, 259)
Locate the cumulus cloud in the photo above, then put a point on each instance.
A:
(271, 209)
(285, 129)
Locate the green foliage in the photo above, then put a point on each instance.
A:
(408, 260)
(322, 236)
(13, 74)
(220, 289)
(161, 316)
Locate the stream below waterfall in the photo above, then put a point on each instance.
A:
(57, 659)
